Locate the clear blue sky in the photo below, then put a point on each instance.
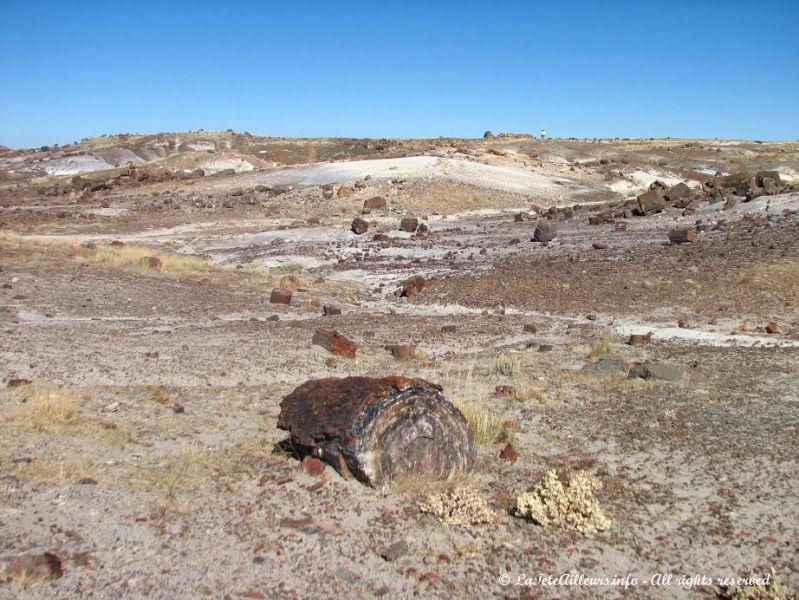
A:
(71, 69)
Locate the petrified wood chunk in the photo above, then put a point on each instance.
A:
(378, 429)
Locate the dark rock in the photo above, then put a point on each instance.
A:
(677, 192)
(681, 236)
(379, 429)
(330, 311)
(449, 328)
(545, 232)
(409, 224)
(395, 551)
(650, 202)
(359, 226)
(280, 296)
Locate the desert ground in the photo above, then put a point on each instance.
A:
(159, 297)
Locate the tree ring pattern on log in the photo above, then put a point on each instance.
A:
(379, 429)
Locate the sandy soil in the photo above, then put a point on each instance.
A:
(141, 446)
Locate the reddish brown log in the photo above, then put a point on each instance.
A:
(378, 430)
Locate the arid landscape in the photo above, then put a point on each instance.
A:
(618, 313)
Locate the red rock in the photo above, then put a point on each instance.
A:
(334, 342)
(681, 236)
(413, 286)
(508, 453)
(313, 466)
(402, 352)
(772, 328)
(347, 422)
(639, 339)
(343, 191)
(30, 566)
(620, 226)
(504, 390)
(280, 296)
(359, 226)
(375, 203)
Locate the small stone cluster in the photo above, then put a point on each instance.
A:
(461, 506)
(572, 507)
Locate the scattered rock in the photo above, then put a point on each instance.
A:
(449, 328)
(413, 286)
(681, 236)
(651, 202)
(509, 454)
(599, 246)
(504, 390)
(545, 231)
(409, 224)
(313, 466)
(343, 191)
(30, 566)
(280, 296)
(639, 339)
(395, 551)
(359, 226)
(772, 327)
(334, 342)
(375, 203)
(402, 352)
(330, 311)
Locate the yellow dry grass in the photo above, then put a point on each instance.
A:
(45, 406)
(129, 257)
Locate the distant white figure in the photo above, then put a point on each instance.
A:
(543, 134)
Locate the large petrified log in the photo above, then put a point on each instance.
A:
(378, 429)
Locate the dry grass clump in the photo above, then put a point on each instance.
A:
(461, 506)
(572, 507)
(600, 347)
(46, 405)
(484, 423)
(780, 279)
(507, 365)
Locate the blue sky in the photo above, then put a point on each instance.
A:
(72, 69)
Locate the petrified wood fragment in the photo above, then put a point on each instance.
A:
(378, 430)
